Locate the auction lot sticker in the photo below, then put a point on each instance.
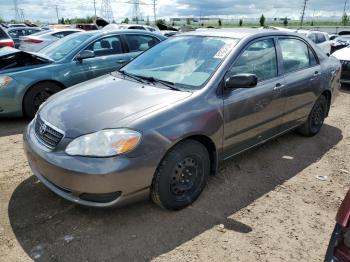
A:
(223, 52)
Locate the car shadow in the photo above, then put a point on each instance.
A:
(15, 126)
(50, 229)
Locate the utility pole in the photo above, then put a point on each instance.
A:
(346, 1)
(303, 13)
(95, 11)
(56, 8)
(155, 12)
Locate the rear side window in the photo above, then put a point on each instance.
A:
(140, 43)
(111, 45)
(321, 38)
(137, 27)
(295, 54)
(17, 33)
(260, 59)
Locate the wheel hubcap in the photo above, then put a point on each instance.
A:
(184, 176)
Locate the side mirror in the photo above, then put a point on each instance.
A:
(85, 54)
(241, 81)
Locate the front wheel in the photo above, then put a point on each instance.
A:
(316, 118)
(181, 176)
(37, 95)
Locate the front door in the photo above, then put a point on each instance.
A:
(252, 115)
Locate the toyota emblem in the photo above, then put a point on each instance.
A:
(42, 129)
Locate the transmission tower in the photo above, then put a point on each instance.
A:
(303, 12)
(136, 11)
(23, 19)
(17, 14)
(106, 10)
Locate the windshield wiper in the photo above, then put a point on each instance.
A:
(168, 84)
(135, 77)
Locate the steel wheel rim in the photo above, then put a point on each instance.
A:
(186, 176)
(317, 118)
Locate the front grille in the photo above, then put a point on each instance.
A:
(47, 135)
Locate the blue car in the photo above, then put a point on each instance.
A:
(28, 79)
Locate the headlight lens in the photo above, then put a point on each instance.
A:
(105, 143)
(5, 81)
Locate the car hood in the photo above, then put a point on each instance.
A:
(342, 54)
(105, 102)
(5, 51)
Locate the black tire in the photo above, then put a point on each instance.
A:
(37, 95)
(316, 118)
(181, 176)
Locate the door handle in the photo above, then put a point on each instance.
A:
(316, 74)
(278, 87)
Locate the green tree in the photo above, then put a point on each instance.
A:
(240, 22)
(220, 22)
(285, 21)
(2, 20)
(161, 23)
(188, 21)
(345, 19)
(125, 21)
(147, 21)
(262, 20)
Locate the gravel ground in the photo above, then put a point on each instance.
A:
(265, 205)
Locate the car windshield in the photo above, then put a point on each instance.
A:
(59, 49)
(187, 62)
(42, 32)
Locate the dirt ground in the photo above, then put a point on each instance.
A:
(265, 205)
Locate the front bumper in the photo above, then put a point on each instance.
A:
(127, 179)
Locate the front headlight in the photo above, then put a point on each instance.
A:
(105, 143)
(5, 81)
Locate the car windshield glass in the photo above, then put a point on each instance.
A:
(64, 46)
(187, 61)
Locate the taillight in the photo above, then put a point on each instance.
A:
(33, 41)
(7, 42)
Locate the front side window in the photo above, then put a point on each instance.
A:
(321, 38)
(111, 45)
(186, 61)
(140, 43)
(295, 54)
(259, 59)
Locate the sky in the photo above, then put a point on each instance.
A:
(44, 10)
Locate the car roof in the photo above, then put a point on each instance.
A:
(22, 27)
(237, 33)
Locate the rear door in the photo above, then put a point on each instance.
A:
(302, 73)
(252, 115)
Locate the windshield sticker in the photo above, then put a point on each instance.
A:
(224, 51)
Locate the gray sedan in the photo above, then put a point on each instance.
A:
(162, 124)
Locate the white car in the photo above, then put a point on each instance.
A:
(319, 38)
(36, 42)
(133, 26)
(344, 56)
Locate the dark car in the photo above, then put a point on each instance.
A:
(5, 39)
(339, 246)
(17, 32)
(162, 124)
(28, 79)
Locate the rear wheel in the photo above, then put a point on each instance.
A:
(316, 118)
(37, 95)
(181, 176)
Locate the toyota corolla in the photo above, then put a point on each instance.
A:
(163, 123)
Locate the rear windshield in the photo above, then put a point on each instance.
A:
(3, 35)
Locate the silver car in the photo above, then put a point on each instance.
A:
(36, 42)
(162, 124)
